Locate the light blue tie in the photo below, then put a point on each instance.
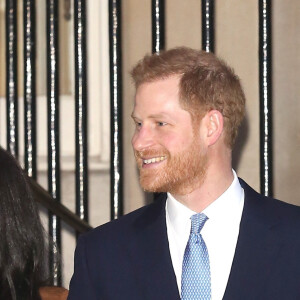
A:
(195, 279)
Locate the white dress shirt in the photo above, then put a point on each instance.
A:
(220, 234)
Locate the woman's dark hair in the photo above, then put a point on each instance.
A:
(22, 239)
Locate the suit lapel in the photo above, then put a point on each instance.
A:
(256, 251)
(153, 265)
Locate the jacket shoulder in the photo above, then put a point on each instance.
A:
(270, 207)
(125, 225)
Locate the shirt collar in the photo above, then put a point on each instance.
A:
(220, 209)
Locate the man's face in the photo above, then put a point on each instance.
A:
(167, 146)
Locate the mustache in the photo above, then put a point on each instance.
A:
(150, 153)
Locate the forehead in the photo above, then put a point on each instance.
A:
(160, 94)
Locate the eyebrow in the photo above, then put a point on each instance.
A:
(162, 115)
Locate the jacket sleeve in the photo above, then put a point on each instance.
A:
(81, 287)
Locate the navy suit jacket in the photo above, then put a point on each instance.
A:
(129, 258)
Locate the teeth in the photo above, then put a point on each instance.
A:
(153, 160)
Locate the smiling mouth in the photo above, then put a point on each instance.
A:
(153, 160)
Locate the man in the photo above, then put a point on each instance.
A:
(188, 107)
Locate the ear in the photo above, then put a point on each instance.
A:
(214, 125)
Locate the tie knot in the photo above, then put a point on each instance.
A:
(198, 221)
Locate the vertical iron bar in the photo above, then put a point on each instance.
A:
(81, 109)
(12, 78)
(158, 38)
(158, 25)
(53, 133)
(265, 92)
(116, 108)
(208, 31)
(29, 87)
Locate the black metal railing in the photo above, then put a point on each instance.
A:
(81, 110)
(12, 139)
(53, 131)
(30, 88)
(208, 28)
(158, 26)
(44, 198)
(116, 164)
(265, 95)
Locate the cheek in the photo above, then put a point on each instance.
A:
(175, 142)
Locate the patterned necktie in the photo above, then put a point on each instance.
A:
(195, 279)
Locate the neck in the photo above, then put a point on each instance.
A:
(216, 182)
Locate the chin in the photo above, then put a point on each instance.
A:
(174, 187)
(152, 188)
(158, 187)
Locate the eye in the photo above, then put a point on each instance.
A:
(161, 124)
(138, 124)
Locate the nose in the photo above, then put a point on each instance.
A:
(142, 139)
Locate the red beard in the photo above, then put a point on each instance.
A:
(180, 173)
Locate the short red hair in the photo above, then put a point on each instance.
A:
(206, 83)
